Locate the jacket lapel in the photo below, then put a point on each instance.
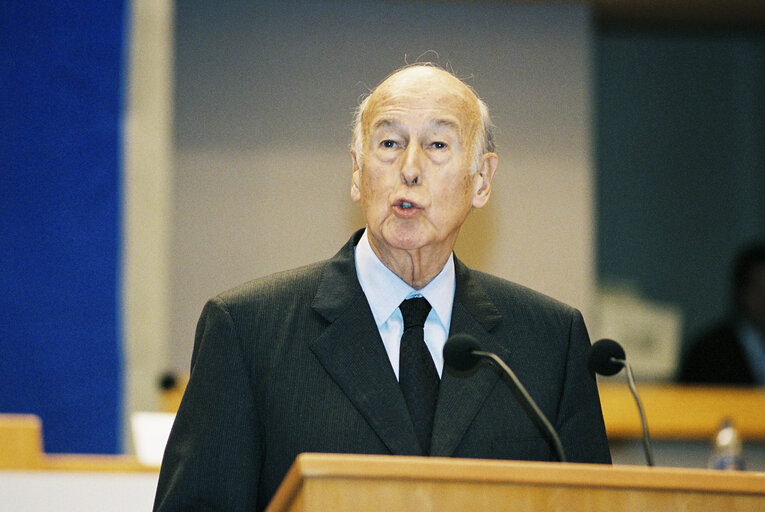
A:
(351, 351)
(462, 395)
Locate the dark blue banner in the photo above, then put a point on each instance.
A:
(60, 110)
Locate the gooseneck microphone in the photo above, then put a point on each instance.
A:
(607, 358)
(462, 352)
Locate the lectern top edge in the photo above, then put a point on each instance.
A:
(543, 473)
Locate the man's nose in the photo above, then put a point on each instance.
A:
(411, 170)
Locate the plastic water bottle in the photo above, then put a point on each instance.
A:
(726, 449)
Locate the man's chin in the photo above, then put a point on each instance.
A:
(404, 237)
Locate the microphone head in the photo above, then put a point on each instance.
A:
(458, 352)
(601, 353)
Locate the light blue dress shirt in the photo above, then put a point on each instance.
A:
(754, 347)
(385, 291)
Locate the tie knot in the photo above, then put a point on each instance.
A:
(414, 311)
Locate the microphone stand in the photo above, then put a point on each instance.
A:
(631, 383)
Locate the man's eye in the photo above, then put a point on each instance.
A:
(388, 144)
(438, 145)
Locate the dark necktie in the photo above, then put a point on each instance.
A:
(418, 377)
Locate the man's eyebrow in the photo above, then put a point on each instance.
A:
(392, 123)
(446, 123)
(385, 123)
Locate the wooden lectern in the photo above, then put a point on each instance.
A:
(322, 482)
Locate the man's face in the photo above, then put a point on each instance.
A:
(413, 179)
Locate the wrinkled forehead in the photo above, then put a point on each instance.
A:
(429, 90)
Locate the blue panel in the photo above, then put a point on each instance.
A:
(60, 353)
(681, 167)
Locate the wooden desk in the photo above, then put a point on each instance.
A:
(21, 447)
(682, 412)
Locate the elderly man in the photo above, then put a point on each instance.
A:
(345, 355)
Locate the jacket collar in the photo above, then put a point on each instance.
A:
(351, 351)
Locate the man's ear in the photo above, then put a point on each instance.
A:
(355, 177)
(482, 179)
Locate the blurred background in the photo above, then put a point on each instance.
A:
(156, 153)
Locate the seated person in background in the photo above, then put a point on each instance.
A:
(345, 355)
(733, 352)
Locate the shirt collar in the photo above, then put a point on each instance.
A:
(385, 290)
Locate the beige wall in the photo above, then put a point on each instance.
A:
(147, 201)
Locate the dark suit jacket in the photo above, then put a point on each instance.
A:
(716, 356)
(294, 363)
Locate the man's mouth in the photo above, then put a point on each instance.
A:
(405, 204)
(406, 209)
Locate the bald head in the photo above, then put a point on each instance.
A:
(425, 83)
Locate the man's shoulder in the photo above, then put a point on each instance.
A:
(513, 295)
(297, 282)
(721, 335)
(275, 288)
